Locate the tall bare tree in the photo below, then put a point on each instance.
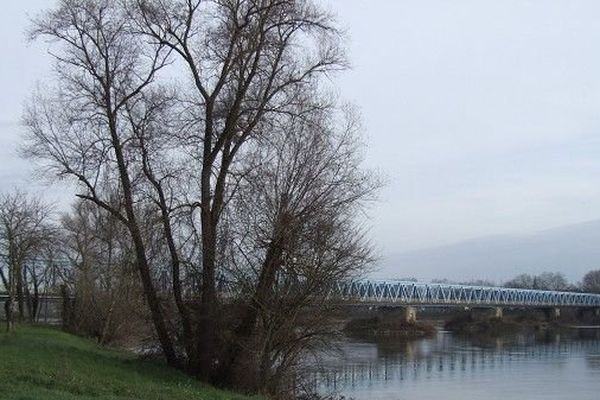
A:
(193, 160)
(247, 61)
(296, 233)
(25, 232)
(82, 130)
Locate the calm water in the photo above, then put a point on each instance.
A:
(565, 366)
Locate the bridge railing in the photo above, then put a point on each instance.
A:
(49, 309)
(399, 292)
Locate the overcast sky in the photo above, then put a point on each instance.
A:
(483, 115)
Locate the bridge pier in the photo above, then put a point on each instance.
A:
(498, 312)
(409, 314)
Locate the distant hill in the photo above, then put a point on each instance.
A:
(572, 250)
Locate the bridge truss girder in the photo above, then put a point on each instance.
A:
(407, 293)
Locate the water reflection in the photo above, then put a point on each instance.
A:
(369, 370)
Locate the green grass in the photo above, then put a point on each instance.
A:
(47, 364)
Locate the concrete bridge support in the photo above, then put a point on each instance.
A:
(409, 314)
(498, 312)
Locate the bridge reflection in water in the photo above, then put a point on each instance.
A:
(448, 358)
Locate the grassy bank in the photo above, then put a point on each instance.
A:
(46, 364)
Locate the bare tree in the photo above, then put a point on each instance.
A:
(296, 234)
(523, 281)
(247, 61)
(252, 139)
(591, 282)
(107, 299)
(543, 281)
(25, 232)
(554, 281)
(82, 130)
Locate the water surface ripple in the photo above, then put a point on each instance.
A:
(543, 366)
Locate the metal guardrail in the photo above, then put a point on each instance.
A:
(43, 297)
(49, 309)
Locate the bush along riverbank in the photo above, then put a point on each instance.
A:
(517, 321)
(469, 325)
(47, 364)
(388, 326)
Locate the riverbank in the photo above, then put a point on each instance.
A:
(469, 325)
(47, 364)
(466, 325)
(388, 326)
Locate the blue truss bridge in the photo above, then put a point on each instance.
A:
(414, 293)
(397, 292)
(409, 295)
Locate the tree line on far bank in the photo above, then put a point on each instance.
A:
(544, 281)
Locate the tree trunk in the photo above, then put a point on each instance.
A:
(140, 251)
(239, 351)
(8, 310)
(153, 302)
(209, 211)
(206, 347)
(20, 293)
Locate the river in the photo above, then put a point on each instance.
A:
(536, 366)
